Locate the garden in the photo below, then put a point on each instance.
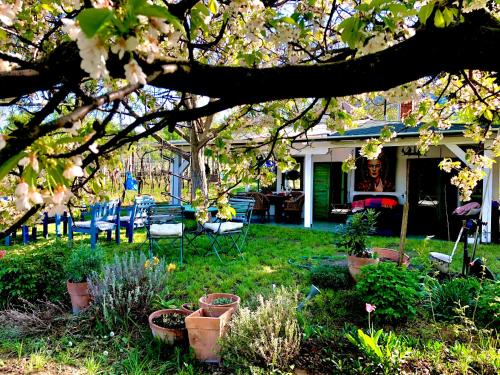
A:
(392, 320)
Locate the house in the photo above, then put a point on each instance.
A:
(404, 175)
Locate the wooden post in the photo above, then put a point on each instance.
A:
(402, 238)
(404, 224)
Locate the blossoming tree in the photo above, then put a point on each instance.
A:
(70, 69)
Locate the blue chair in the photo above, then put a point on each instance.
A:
(99, 216)
(235, 230)
(165, 221)
(137, 215)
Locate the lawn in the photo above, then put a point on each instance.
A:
(273, 257)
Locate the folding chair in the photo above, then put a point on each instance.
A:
(165, 221)
(236, 229)
(99, 222)
(137, 215)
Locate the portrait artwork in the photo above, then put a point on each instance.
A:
(377, 175)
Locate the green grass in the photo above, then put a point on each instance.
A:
(267, 253)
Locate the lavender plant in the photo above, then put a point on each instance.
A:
(126, 288)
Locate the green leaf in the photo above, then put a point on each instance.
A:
(160, 12)
(289, 20)
(213, 6)
(6, 167)
(448, 16)
(439, 19)
(425, 12)
(488, 115)
(91, 20)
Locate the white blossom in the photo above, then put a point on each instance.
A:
(134, 73)
(35, 196)
(73, 171)
(94, 55)
(3, 142)
(22, 188)
(22, 203)
(71, 28)
(30, 160)
(8, 12)
(121, 46)
(5, 66)
(93, 148)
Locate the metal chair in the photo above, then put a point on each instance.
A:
(165, 221)
(137, 215)
(235, 229)
(99, 216)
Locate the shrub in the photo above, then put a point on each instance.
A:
(126, 288)
(333, 277)
(269, 336)
(392, 289)
(33, 273)
(488, 305)
(444, 298)
(354, 233)
(479, 300)
(82, 262)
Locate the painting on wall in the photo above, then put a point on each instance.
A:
(377, 175)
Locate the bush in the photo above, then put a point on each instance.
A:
(481, 299)
(126, 288)
(392, 289)
(82, 262)
(269, 336)
(444, 298)
(333, 277)
(488, 305)
(33, 273)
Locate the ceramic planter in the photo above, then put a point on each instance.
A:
(205, 326)
(207, 301)
(80, 296)
(189, 307)
(355, 264)
(169, 335)
(390, 255)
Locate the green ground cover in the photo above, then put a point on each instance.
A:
(272, 258)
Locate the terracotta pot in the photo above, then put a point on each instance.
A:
(206, 301)
(205, 326)
(355, 264)
(169, 335)
(80, 296)
(189, 307)
(390, 255)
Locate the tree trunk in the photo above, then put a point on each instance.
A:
(198, 173)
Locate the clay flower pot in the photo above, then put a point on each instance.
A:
(169, 335)
(80, 296)
(205, 326)
(207, 301)
(189, 307)
(390, 255)
(355, 264)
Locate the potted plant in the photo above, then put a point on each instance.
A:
(205, 326)
(169, 325)
(189, 307)
(353, 237)
(82, 262)
(220, 300)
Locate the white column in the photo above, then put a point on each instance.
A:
(279, 179)
(175, 180)
(308, 191)
(487, 198)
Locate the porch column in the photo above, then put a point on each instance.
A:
(308, 191)
(279, 179)
(175, 180)
(487, 198)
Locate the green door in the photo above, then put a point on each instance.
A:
(321, 190)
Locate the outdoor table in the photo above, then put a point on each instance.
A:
(278, 200)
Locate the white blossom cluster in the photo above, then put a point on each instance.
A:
(402, 93)
(8, 12)
(469, 6)
(376, 43)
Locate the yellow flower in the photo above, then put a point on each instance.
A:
(171, 267)
(147, 264)
(156, 261)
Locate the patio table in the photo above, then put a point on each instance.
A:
(278, 200)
